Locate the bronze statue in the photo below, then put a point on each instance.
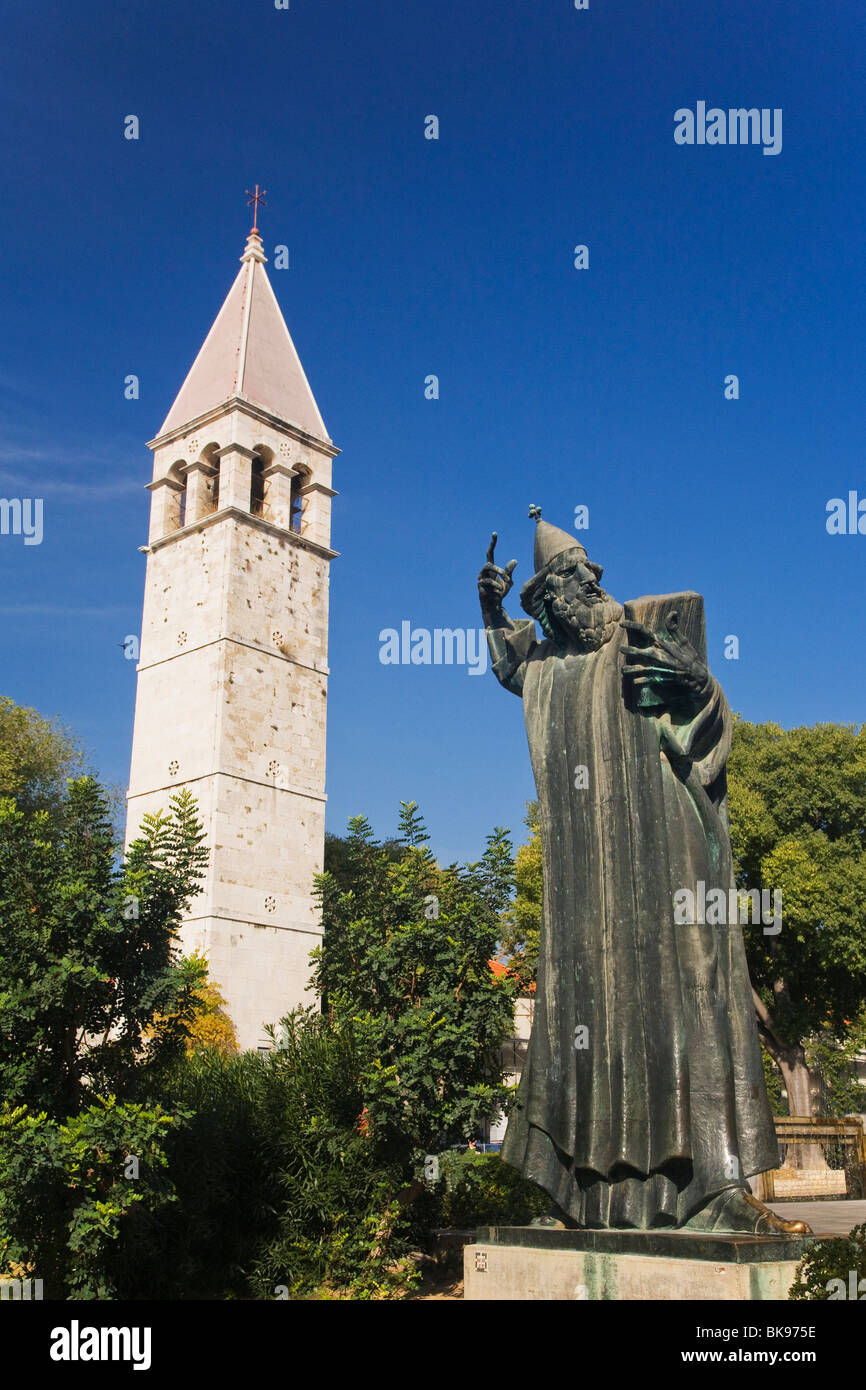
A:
(642, 1102)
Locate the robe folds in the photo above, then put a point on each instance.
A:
(665, 1105)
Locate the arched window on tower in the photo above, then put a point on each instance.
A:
(257, 484)
(296, 515)
(178, 508)
(208, 454)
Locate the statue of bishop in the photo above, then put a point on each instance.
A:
(642, 1102)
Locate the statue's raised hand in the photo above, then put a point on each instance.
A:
(493, 581)
(665, 664)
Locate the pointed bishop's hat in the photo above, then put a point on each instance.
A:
(551, 541)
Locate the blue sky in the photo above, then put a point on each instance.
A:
(602, 387)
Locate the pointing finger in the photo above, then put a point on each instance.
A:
(490, 549)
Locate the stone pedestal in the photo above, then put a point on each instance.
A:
(527, 1262)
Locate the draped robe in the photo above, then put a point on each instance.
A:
(666, 1106)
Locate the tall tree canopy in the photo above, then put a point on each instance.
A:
(91, 987)
(94, 1006)
(798, 824)
(406, 956)
(521, 920)
(37, 755)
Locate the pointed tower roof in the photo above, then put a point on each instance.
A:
(249, 352)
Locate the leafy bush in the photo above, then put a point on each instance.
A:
(480, 1190)
(825, 1271)
(282, 1189)
(140, 1159)
(222, 1159)
(69, 1191)
(343, 1218)
(95, 1008)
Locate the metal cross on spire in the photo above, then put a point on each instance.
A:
(254, 200)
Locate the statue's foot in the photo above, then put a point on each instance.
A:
(737, 1210)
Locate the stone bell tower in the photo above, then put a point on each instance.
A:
(232, 678)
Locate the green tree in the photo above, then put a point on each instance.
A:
(522, 919)
(37, 756)
(834, 1063)
(798, 824)
(223, 1164)
(70, 1192)
(92, 993)
(338, 856)
(95, 1007)
(406, 958)
(344, 1216)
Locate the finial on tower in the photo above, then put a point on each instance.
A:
(254, 251)
(254, 200)
(535, 513)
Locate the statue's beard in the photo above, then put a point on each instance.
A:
(575, 623)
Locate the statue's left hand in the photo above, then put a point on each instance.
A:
(666, 663)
